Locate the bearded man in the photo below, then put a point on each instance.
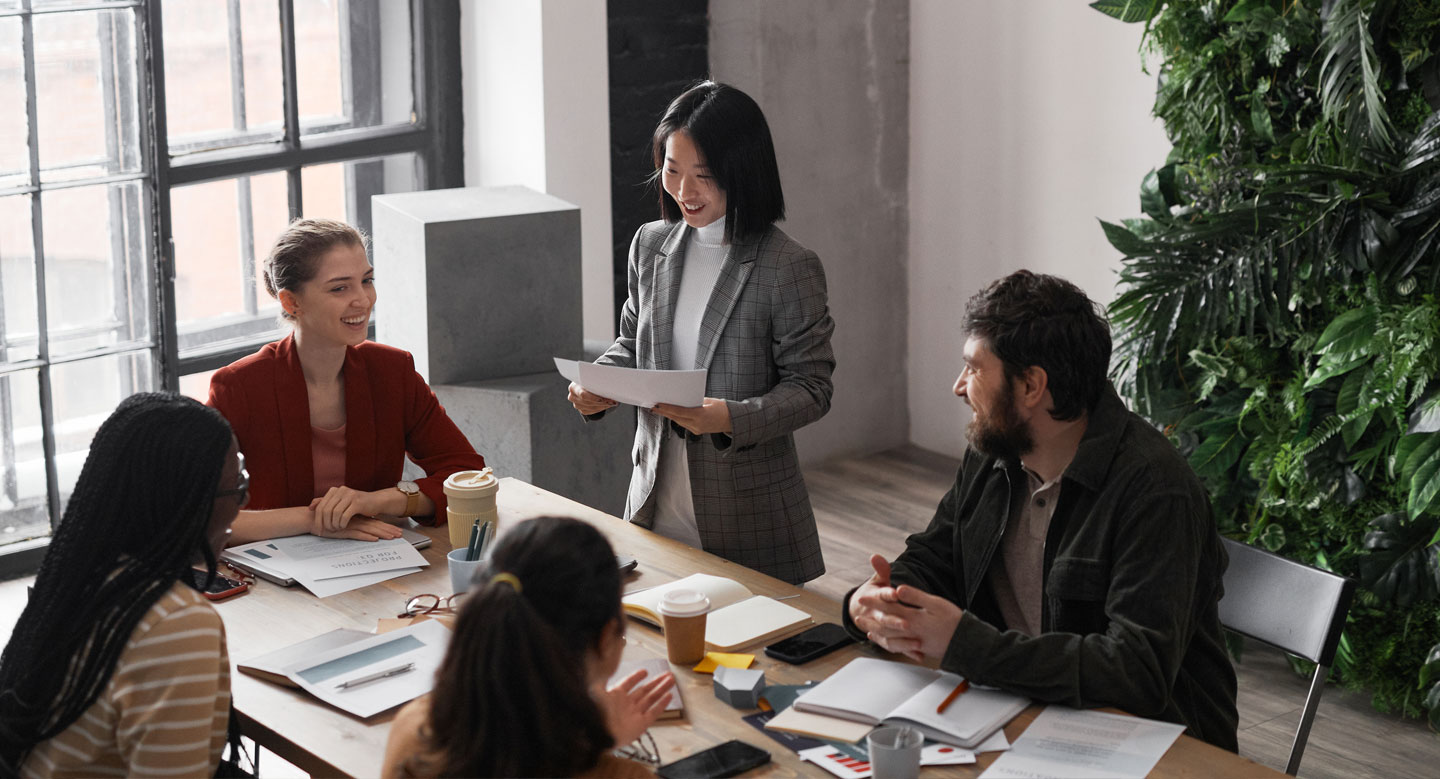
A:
(1075, 560)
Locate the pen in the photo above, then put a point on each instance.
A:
(375, 677)
(474, 536)
(486, 534)
(955, 693)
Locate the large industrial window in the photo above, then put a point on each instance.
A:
(149, 153)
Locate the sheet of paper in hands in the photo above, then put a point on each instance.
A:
(635, 386)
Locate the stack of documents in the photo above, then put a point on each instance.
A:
(360, 673)
(329, 566)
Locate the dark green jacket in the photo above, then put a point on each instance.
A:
(1133, 568)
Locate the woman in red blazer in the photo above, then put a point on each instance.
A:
(325, 417)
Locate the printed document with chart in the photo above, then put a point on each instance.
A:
(328, 566)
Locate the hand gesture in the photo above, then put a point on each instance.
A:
(588, 403)
(630, 707)
(711, 416)
(904, 619)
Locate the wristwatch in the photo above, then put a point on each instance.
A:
(411, 490)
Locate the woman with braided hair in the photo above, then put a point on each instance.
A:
(118, 665)
(521, 691)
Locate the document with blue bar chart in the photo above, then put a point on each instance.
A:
(378, 673)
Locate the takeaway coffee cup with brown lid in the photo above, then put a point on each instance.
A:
(684, 614)
(471, 496)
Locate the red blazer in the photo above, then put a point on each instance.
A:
(389, 412)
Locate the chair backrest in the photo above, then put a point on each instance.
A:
(1286, 604)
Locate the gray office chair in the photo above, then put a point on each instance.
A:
(1291, 606)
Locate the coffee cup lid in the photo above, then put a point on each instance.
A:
(471, 480)
(684, 603)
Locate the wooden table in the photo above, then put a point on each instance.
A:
(327, 742)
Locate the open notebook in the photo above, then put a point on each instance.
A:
(737, 618)
(878, 692)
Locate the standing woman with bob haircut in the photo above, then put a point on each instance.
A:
(325, 417)
(715, 285)
(118, 665)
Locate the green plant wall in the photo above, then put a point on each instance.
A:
(1278, 305)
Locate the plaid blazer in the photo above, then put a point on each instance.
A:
(765, 342)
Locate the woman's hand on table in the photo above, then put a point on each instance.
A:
(630, 706)
(363, 529)
(334, 510)
(586, 402)
(711, 416)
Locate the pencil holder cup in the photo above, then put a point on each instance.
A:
(462, 570)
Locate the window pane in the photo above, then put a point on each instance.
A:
(64, 3)
(23, 510)
(85, 392)
(18, 323)
(342, 190)
(85, 94)
(222, 230)
(352, 64)
(222, 74)
(97, 279)
(196, 385)
(14, 152)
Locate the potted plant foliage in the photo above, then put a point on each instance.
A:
(1278, 306)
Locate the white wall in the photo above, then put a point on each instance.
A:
(536, 86)
(1028, 121)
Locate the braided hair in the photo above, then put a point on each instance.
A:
(137, 520)
(511, 697)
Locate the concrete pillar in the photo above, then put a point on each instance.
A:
(482, 286)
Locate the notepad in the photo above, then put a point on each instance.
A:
(737, 616)
(886, 692)
(654, 666)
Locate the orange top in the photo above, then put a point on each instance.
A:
(327, 454)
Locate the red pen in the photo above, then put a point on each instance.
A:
(955, 693)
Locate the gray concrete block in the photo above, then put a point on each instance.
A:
(478, 283)
(525, 428)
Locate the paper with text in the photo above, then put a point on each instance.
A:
(422, 644)
(1064, 742)
(635, 386)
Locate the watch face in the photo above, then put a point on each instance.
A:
(408, 487)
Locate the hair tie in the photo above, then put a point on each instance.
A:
(508, 578)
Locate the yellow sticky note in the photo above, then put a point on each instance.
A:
(713, 659)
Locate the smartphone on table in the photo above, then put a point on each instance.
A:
(816, 642)
(221, 587)
(729, 759)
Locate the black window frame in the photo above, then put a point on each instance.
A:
(435, 137)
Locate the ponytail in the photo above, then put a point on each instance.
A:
(512, 696)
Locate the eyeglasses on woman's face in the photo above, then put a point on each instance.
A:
(242, 488)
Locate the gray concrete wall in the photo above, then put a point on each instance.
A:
(833, 79)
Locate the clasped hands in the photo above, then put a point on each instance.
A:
(343, 512)
(712, 416)
(905, 619)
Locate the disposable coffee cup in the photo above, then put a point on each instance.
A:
(895, 752)
(462, 570)
(683, 612)
(470, 495)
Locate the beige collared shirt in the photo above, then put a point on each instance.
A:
(1017, 576)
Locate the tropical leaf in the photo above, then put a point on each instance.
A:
(1350, 95)
(1128, 10)
(1425, 417)
(1400, 564)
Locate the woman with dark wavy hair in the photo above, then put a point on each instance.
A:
(118, 665)
(521, 691)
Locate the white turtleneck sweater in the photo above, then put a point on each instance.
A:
(704, 256)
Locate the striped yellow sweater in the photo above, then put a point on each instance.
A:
(166, 707)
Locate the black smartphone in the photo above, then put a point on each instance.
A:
(221, 587)
(815, 642)
(728, 759)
